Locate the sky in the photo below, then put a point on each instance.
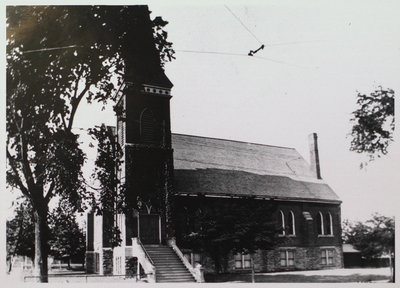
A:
(317, 55)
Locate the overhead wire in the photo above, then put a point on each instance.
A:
(243, 25)
(51, 49)
(246, 55)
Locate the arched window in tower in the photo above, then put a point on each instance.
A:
(328, 224)
(281, 223)
(148, 124)
(320, 224)
(291, 228)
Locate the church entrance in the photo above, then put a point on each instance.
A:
(149, 228)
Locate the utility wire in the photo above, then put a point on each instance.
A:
(51, 49)
(238, 54)
(244, 26)
(293, 43)
(212, 52)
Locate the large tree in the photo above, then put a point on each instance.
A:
(373, 238)
(57, 56)
(373, 123)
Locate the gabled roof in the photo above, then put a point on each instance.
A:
(219, 167)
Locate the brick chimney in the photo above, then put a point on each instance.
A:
(314, 155)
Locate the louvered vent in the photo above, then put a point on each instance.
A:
(148, 127)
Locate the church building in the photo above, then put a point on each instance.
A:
(170, 177)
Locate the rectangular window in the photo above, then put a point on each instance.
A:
(287, 258)
(242, 261)
(238, 261)
(327, 257)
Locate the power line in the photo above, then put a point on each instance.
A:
(238, 54)
(293, 43)
(244, 26)
(281, 62)
(211, 52)
(51, 49)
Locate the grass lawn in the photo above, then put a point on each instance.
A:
(288, 278)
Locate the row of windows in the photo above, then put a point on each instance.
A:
(287, 258)
(287, 223)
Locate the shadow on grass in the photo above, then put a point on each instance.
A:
(289, 278)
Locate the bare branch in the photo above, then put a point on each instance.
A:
(75, 103)
(16, 176)
(49, 193)
(26, 168)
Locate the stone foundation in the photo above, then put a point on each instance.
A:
(90, 262)
(131, 266)
(107, 261)
(305, 258)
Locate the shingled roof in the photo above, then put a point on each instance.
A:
(217, 167)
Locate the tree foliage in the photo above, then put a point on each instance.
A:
(110, 197)
(66, 237)
(373, 123)
(21, 232)
(217, 231)
(373, 238)
(58, 56)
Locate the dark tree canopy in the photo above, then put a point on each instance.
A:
(373, 123)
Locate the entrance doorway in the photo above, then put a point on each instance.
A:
(149, 228)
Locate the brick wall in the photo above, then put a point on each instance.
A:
(306, 243)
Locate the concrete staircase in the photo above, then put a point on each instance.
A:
(169, 268)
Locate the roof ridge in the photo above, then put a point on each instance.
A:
(235, 141)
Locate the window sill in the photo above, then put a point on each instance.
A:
(291, 235)
(325, 236)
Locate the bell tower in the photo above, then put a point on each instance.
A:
(144, 133)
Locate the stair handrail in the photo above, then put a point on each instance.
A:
(197, 272)
(145, 251)
(144, 259)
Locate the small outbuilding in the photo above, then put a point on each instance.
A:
(351, 256)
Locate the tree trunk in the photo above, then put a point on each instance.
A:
(41, 251)
(253, 276)
(69, 263)
(391, 264)
(10, 264)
